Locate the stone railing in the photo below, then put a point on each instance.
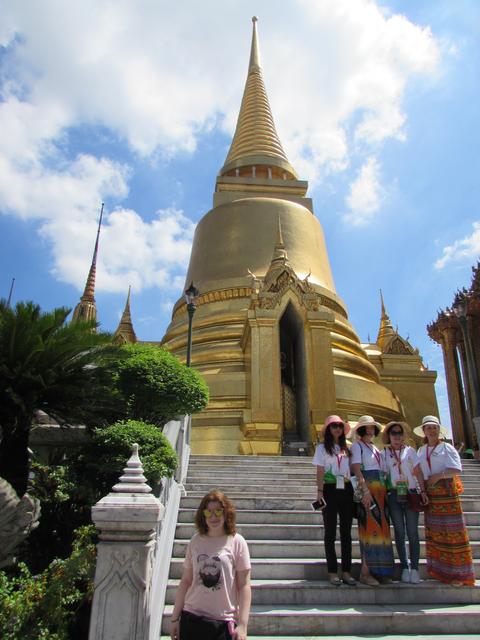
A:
(136, 541)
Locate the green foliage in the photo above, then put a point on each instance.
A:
(47, 606)
(156, 386)
(47, 364)
(101, 461)
(65, 502)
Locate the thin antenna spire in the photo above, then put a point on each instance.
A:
(10, 294)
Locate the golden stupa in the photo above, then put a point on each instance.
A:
(271, 336)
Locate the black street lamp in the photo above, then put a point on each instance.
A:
(191, 295)
(460, 310)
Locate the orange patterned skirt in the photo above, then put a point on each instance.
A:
(374, 529)
(449, 555)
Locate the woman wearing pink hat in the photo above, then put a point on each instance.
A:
(332, 459)
(373, 526)
(449, 555)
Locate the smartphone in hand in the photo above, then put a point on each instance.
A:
(318, 505)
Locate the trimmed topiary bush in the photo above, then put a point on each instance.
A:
(101, 462)
(156, 386)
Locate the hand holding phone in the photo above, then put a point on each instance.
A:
(318, 505)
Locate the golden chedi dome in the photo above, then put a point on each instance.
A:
(271, 336)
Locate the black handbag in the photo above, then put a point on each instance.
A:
(414, 502)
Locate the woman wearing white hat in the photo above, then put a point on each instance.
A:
(332, 459)
(373, 528)
(449, 555)
(404, 478)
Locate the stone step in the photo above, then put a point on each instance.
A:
(287, 502)
(320, 592)
(312, 531)
(274, 461)
(362, 619)
(272, 479)
(263, 516)
(299, 548)
(450, 636)
(269, 568)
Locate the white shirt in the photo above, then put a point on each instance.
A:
(400, 464)
(337, 465)
(442, 457)
(368, 456)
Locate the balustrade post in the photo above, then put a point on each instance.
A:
(127, 519)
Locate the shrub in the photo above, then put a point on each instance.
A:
(156, 386)
(101, 462)
(55, 604)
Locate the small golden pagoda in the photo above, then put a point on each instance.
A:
(271, 335)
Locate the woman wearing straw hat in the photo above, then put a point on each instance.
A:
(449, 555)
(332, 459)
(373, 528)
(404, 476)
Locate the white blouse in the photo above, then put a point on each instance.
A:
(441, 457)
(400, 464)
(367, 455)
(336, 465)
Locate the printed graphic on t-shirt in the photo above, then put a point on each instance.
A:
(210, 571)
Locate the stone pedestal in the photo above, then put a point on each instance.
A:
(127, 518)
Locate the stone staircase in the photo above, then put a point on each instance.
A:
(291, 595)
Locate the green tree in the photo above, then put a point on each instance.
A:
(46, 364)
(155, 386)
(100, 462)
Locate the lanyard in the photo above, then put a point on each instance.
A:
(375, 453)
(339, 459)
(429, 455)
(398, 459)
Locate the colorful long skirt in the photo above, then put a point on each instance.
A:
(449, 555)
(374, 529)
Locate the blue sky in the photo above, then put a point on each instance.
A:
(134, 104)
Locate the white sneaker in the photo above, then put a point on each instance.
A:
(414, 577)
(406, 576)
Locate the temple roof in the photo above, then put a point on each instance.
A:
(256, 141)
(125, 331)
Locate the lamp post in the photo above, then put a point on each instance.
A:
(460, 310)
(191, 295)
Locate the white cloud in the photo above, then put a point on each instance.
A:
(132, 251)
(156, 75)
(461, 250)
(365, 195)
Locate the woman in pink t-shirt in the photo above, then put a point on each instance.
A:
(214, 594)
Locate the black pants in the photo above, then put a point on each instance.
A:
(194, 627)
(339, 504)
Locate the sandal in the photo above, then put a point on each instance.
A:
(456, 583)
(369, 580)
(347, 579)
(334, 580)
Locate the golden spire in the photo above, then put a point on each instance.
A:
(86, 309)
(386, 330)
(125, 331)
(255, 142)
(279, 253)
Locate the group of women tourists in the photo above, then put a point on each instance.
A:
(394, 484)
(362, 481)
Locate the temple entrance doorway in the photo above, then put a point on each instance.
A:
(294, 393)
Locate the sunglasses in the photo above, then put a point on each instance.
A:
(209, 514)
(336, 425)
(396, 433)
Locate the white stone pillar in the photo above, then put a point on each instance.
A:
(127, 519)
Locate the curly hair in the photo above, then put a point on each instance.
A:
(228, 509)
